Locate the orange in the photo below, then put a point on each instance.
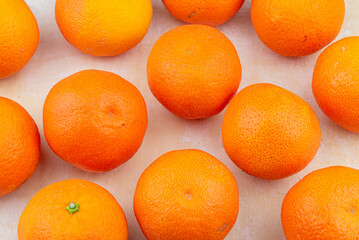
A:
(270, 132)
(73, 210)
(194, 71)
(209, 12)
(336, 83)
(19, 36)
(297, 27)
(103, 28)
(323, 205)
(19, 146)
(95, 120)
(185, 195)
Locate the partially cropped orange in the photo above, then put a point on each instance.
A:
(19, 36)
(73, 210)
(185, 195)
(209, 12)
(103, 28)
(297, 27)
(270, 132)
(95, 120)
(194, 71)
(323, 205)
(19, 146)
(336, 83)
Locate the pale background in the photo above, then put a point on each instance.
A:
(260, 201)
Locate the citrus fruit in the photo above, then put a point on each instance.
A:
(336, 83)
(19, 146)
(209, 12)
(298, 27)
(270, 132)
(19, 36)
(323, 205)
(103, 28)
(74, 210)
(186, 194)
(95, 120)
(194, 71)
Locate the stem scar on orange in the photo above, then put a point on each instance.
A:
(73, 209)
(186, 194)
(95, 120)
(297, 27)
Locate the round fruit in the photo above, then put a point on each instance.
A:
(95, 120)
(19, 36)
(270, 132)
(103, 28)
(323, 205)
(186, 194)
(194, 71)
(19, 146)
(298, 27)
(336, 83)
(73, 209)
(209, 12)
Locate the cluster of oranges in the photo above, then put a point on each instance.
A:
(97, 120)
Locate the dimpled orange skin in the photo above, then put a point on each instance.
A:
(185, 195)
(95, 120)
(103, 28)
(100, 217)
(19, 36)
(209, 12)
(298, 27)
(270, 132)
(323, 205)
(336, 83)
(19, 146)
(194, 71)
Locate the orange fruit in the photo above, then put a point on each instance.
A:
(323, 205)
(209, 12)
(270, 132)
(336, 83)
(186, 194)
(103, 28)
(95, 120)
(73, 210)
(19, 36)
(194, 71)
(19, 146)
(297, 27)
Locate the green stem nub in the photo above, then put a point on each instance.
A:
(73, 207)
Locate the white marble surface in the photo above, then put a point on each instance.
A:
(260, 201)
